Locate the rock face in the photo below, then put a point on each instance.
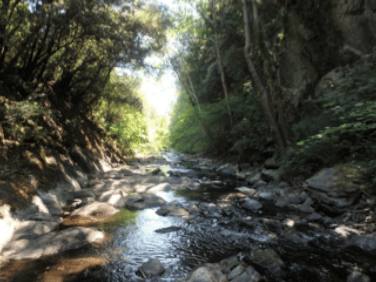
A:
(206, 273)
(335, 188)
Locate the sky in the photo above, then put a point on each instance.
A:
(161, 93)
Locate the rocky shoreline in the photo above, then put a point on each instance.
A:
(279, 215)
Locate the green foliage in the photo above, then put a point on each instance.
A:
(124, 217)
(20, 120)
(350, 133)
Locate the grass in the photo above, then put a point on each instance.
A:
(122, 218)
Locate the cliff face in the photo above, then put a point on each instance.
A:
(323, 35)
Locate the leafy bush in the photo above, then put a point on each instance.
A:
(349, 135)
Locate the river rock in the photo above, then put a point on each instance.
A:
(96, 210)
(166, 187)
(236, 272)
(259, 183)
(367, 243)
(52, 243)
(249, 275)
(267, 196)
(229, 263)
(270, 175)
(172, 209)
(227, 170)
(357, 276)
(52, 203)
(206, 273)
(292, 235)
(314, 217)
(306, 207)
(6, 234)
(251, 204)
(253, 179)
(267, 259)
(151, 268)
(246, 191)
(145, 201)
(336, 188)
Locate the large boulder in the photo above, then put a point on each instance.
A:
(267, 259)
(6, 233)
(97, 210)
(52, 243)
(206, 273)
(335, 188)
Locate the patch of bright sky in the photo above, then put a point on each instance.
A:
(161, 91)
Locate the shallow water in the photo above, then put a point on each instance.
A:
(219, 234)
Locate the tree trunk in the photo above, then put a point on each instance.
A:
(264, 94)
(219, 62)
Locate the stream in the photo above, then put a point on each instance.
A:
(218, 228)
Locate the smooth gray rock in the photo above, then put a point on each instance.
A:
(294, 199)
(6, 233)
(52, 243)
(357, 276)
(160, 188)
(227, 169)
(236, 272)
(306, 207)
(52, 204)
(151, 268)
(367, 243)
(251, 204)
(314, 217)
(270, 175)
(168, 229)
(206, 273)
(267, 196)
(259, 183)
(292, 235)
(172, 209)
(246, 191)
(145, 201)
(282, 203)
(96, 209)
(336, 187)
(250, 275)
(265, 258)
(229, 263)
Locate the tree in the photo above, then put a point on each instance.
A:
(265, 96)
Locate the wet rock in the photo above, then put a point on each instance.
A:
(246, 191)
(266, 258)
(253, 179)
(160, 187)
(250, 275)
(306, 207)
(140, 202)
(337, 188)
(314, 217)
(367, 243)
(52, 243)
(6, 234)
(155, 171)
(292, 235)
(282, 203)
(267, 196)
(229, 263)
(96, 210)
(270, 175)
(251, 204)
(236, 272)
(172, 209)
(357, 276)
(227, 170)
(283, 185)
(206, 273)
(152, 268)
(294, 199)
(259, 183)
